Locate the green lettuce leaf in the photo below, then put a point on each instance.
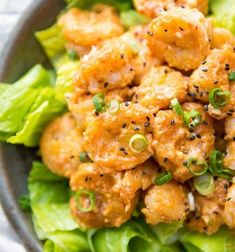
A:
(222, 241)
(223, 13)
(132, 18)
(53, 43)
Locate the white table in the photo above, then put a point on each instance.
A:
(10, 12)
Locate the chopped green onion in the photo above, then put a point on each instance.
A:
(99, 103)
(219, 98)
(231, 76)
(192, 118)
(163, 178)
(204, 184)
(113, 106)
(89, 200)
(84, 158)
(177, 107)
(24, 203)
(138, 143)
(72, 54)
(195, 162)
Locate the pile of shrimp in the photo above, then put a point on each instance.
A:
(178, 55)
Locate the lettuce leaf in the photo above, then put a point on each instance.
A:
(132, 18)
(223, 13)
(222, 241)
(53, 43)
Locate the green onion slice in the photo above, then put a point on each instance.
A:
(85, 200)
(163, 178)
(177, 107)
(191, 162)
(99, 103)
(138, 143)
(113, 106)
(204, 184)
(192, 118)
(231, 76)
(84, 158)
(72, 54)
(219, 98)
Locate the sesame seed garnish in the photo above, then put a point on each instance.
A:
(122, 56)
(227, 67)
(146, 124)
(124, 125)
(206, 107)
(204, 70)
(150, 33)
(216, 82)
(172, 122)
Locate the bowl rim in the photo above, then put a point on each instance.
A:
(9, 205)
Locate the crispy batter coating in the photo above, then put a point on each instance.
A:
(229, 209)
(165, 203)
(153, 8)
(105, 68)
(208, 216)
(174, 144)
(180, 37)
(213, 73)
(107, 137)
(60, 145)
(222, 38)
(88, 28)
(159, 86)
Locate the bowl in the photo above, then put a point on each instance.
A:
(20, 53)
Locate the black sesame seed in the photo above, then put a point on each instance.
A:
(206, 107)
(227, 67)
(106, 84)
(96, 113)
(122, 149)
(198, 136)
(126, 104)
(204, 62)
(101, 175)
(233, 138)
(216, 82)
(185, 162)
(172, 122)
(146, 124)
(150, 33)
(229, 113)
(124, 125)
(181, 29)
(148, 119)
(165, 30)
(122, 56)
(204, 70)
(165, 159)
(126, 153)
(136, 128)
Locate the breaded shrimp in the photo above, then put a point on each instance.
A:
(153, 8)
(229, 209)
(180, 37)
(208, 216)
(222, 38)
(174, 143)
(107, 137)
(159, 86)
(165, 203)
(111, 209)
(105, 68)
(88, 28)
(213, 73)
(60, 145)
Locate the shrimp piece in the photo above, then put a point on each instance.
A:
(159, 86)
(60, 145)
(180, 37)
(88, 28)
(213, 73)
(208, 216)
(107, 137)
(105, 68)
(165, 203)
(229, 209)
(174, 143)
(111, 209)
(222, 38)
(153, 8)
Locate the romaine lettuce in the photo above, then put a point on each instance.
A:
(132, 18)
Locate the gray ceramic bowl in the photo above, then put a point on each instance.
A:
(20, 53)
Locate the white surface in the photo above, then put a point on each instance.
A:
(10, 12)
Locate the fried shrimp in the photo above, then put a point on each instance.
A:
(222, 38)
(166, 203)
(105, 68)
(60, 145)
(208, 216)
(88, 28)
(159, 86)
(108, 137)
(153, 8)
(213, 73)
(229, 209)
(175, 143)
(180, 37)
(111, 208)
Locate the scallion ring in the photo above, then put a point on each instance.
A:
(113, 106)
(195, 162)
(216, 162)
(219, 98)
(138, 143)
(89, 200)
(99, 103)
(164, 178)
(177, 107)
(204, 184)
(231, 76)
(192, 118)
